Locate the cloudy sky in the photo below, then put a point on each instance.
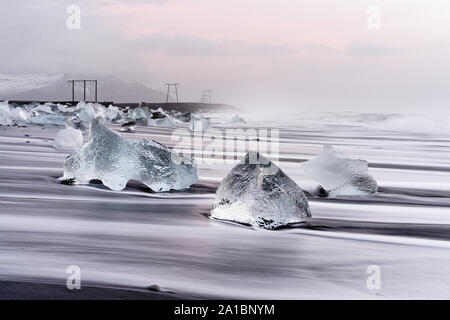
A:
(290, 54)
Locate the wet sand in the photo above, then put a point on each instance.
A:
(135, 238)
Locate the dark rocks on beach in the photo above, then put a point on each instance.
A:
(154, 287)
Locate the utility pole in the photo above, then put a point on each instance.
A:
(95, 90)
(73, 91)
(206, 96)
(84, 81)
(175, 90)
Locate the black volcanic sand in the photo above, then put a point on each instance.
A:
(26, 290)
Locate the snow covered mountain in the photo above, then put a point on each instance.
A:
(54, 87)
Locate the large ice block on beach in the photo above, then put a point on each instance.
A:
(256, 192)
(339, 175)
(20, 115)
(68, 139)
(5, 114)
(115, 160)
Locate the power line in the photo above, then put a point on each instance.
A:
(206, 96)
(84, 82)
(174, 90)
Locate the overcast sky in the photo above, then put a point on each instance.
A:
(290, 54)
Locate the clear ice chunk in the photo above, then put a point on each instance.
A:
(167, 122)
(339, 175)
(68, 139)
(42, 109)
(66, 109)
(113, 113)
(115, 160)
(20, 115)
(199, 123)
(139, 113)
(5, 114)
(48, 119)
(256, 192)
(183, 117)
(236, 120)
(89, 111)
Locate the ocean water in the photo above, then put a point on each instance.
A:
(137, 238)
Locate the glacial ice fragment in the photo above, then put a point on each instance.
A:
(113, 113)
(48, 119)
(236, 120)
(115, 160)
(68, 139)
(89, 111)
(129, 126)
(258, 193)
(183, 117)
(42, 109)
(161, 122)
(20, 115)
(161, 118)
(199, 123)
(5, 114)
(66, 109)
(340, 176)
(139, 113)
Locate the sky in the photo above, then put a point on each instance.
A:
(296, 55)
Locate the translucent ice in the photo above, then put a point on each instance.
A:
(199, 123)
(68, 139)
(339, 175)
(258, 193)
(183, 117)
(20, 115)
(161, 122)
(161, 118)
(48, 119)
(65, 108)
(113, 113)
(236, 120)
(5, 114)
(90, 111)
(159, 113)
(139, 113)
(115, 160)
(42, 109)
